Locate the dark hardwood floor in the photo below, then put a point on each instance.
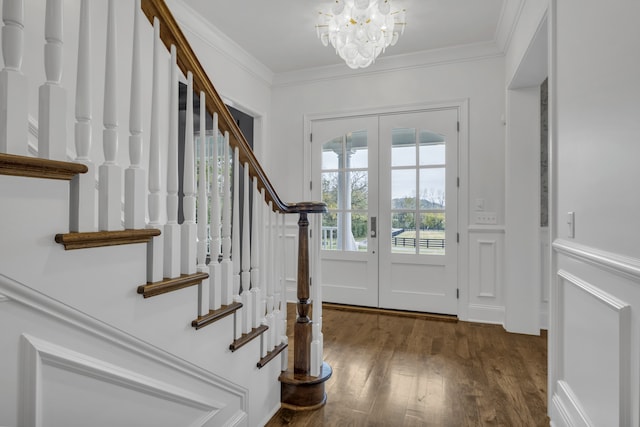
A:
(391, 370)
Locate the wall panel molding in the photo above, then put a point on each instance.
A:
(607, 319)
(612, 262)
(485, 274)
(567, 408)
(38, 354)
(25, 296)
(487, 267)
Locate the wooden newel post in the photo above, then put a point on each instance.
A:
(302, 328)
(300, 390)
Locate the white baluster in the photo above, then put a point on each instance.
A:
(155, 247)
(82, 215)
(277, 313)
(317, 340)
(235, 225)
(255, 254)
(235, 245)
(172, 228)
(283, 286)
(226, 264)
(14, 109)
(215, 274)
(110, 174)
(202, 192)
(270, 281)
(246, 260)
(134, 178)
(52, 107)
(189, 229)
(189, 226)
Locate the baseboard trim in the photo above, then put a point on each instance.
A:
(486, 314)
(390, 312)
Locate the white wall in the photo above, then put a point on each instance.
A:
(594, 352)
(481, 81)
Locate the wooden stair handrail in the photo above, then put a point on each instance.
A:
(171, 34)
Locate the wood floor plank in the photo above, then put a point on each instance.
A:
(409, 371)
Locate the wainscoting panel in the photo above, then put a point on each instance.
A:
(487, 268)
(593, 341)
(61, 367)
(486, 247)
(63, 387)
(596, 333)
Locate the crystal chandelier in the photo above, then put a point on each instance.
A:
(360, 30)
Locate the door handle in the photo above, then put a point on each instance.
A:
(374, 227)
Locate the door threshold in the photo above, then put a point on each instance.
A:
(390, 312)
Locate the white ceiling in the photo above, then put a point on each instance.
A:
(281, 33)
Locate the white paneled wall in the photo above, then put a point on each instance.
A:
(486, 252)
(70, 368)
(594, 344)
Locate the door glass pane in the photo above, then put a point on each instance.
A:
(418, 207)
(345, 190)
(357, 152)
(330, 231)
(358, 189)
(432, 188)
(330, 189)
(359, 228)
(403, 233)
(432, 153)
(403, 189)
(432, 233)
(403, 147)
(331, 153)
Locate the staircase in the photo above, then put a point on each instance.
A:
(113, 312)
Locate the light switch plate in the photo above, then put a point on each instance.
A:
(489, 218)
(571, 223)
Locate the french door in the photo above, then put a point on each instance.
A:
(389, 237)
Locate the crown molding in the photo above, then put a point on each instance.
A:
(426, 58)
(509, 17)
(220, 42)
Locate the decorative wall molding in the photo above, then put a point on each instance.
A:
(567, 408)
(607, 299)
(476, 228)
(28, 297)
(487, 267)
(509, 17)
(39, 353)
(393, 63)
(616, 263)
(619, 333)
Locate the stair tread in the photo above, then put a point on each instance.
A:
(215, 315)
(35, 167)
(96, 239)
(272, 355)
(169, 285)
(246, 338)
